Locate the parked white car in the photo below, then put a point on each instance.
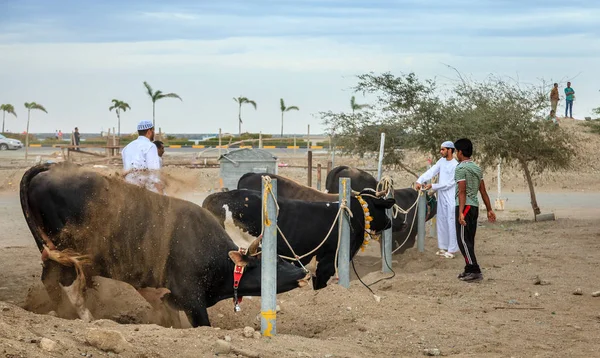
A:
(9, 143)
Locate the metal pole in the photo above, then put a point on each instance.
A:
(319, 176)
(294, 144)
(386, 245)
(260, 143)
(268, 291)
(381, 147)
(422, 212)
(308, 137)
(344, 230)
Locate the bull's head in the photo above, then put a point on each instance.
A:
(289, 276)
(377, 204)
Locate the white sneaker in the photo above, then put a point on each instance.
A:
(448, 255)
(441, 252)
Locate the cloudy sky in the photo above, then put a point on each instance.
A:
(74, 56)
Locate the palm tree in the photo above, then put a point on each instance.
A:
(355, 106)
(29, 107)
(285, 109)
(155, 96)
(119, 106)
(7, 108)
(241, 100)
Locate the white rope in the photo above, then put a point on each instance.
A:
(268, 190)
(411, 225)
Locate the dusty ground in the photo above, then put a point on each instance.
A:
(424, 307)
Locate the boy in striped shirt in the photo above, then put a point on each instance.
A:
(469, 181)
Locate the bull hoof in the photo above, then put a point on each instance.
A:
(86, 316)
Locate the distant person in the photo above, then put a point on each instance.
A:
(77, 138)
(570, 97)
(160, 146)
(56, 134)
(554, 97)
(60, 134)
(469, 181)
(141, 162)
(552, 117)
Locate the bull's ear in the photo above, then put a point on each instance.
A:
(162, 292)
(238, 258)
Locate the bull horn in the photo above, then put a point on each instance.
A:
(253, 248)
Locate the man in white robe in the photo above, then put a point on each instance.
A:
(141, 162)
(446, 189)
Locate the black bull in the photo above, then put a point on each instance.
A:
(404, 228)
(86, 224)
(305, 224)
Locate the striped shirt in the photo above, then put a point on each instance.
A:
(472, 174)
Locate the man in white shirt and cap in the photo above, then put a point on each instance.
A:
(141, 162)
(446, 189)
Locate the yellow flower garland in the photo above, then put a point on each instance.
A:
(368, 219)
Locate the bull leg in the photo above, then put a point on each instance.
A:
(325, 269)
(76, 297)
(198, 317)
(50, 279)
(192, 303)
(70, 285)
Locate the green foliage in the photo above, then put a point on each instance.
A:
(158, 94)
(504, 119)
(119, 106)
(35, 106)
(8, 108)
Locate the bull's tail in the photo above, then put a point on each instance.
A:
(49, 251)
(41, 239)
(69, 258)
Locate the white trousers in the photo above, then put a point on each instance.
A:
(446, 221)
(141, 179)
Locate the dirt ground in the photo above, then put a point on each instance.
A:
(527, 306)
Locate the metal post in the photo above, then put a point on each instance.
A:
(308, 138)
(260, 143)
(344, 229)
(386, 246)
(268, 301)
(380, 164)
(309, 174)
(319, 176)
(422, 213)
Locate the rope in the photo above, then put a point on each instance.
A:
(266, 222)
(386, 184)
(409, 231)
